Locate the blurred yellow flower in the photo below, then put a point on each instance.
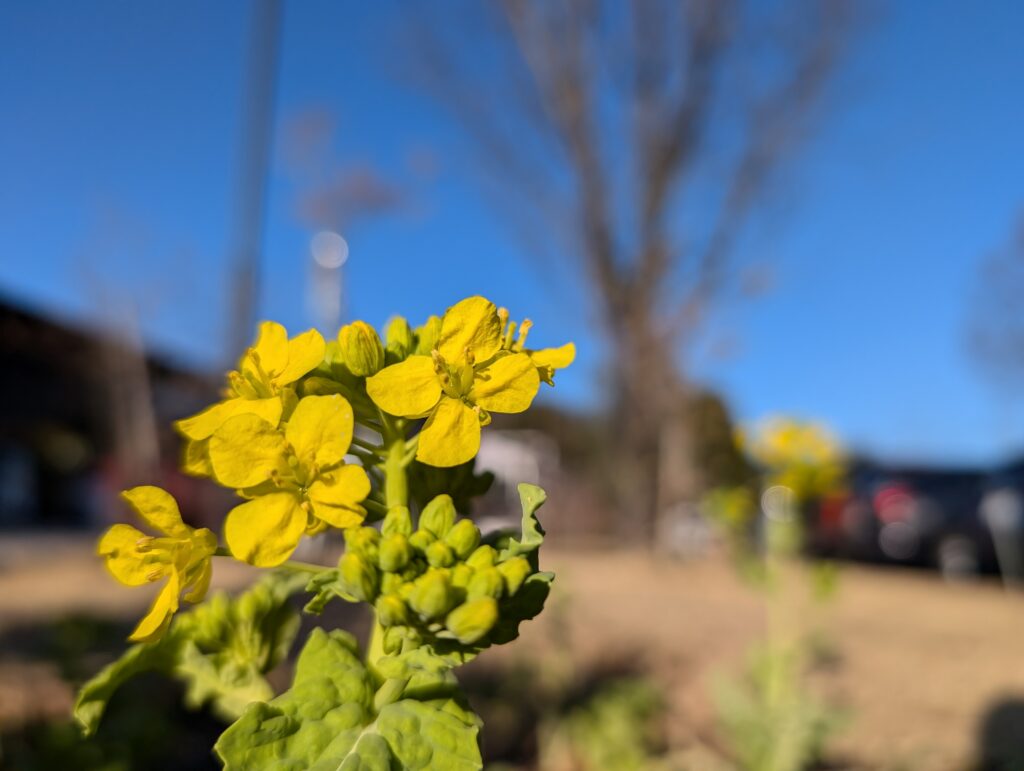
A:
(466, 376)
(256, 387)
(804, 457)
(182, 556)
(297, 480)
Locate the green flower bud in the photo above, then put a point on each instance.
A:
(361, 349)
(472, 620)
(358, 577)
(440, 555)
(462, 574)
(397, 522)
(426, 336)
(514, 571)
(400, 340)
(363, 541)
(438, 516)
(431, 596)
(395, 553)
(464, 537)
(395, 636)
(484, 557)
(487, 582)
(391, 610)
(391, 583)
(420, 540)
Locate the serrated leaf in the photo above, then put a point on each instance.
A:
(96, 693)
(327, 722)
(532, 498)
(221, 650)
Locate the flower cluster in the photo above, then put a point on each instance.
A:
(282, 436)
(803, 457)
(435, 584)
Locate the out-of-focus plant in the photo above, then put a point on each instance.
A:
(803, 457)
(770, 718)
(315, 435)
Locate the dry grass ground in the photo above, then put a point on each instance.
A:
(918, 662)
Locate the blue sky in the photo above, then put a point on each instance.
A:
(118, 144)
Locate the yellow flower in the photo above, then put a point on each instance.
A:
(182, 556)
(546, 360)
(801, 456)
(256, 387)
(297, 479)
(466, 376)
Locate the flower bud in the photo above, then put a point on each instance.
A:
(391, 583)
(391, 610)
(420, 540)
(440, 555)
(484, 557)
(463, 538)
(395, 553)
(431, 596)
(400, 340)
(426, 336)
(358, 577)
(462, 574)
(438, 516)
(361, 349)
(397, 521)
(363, 541)
(487, 582)
(514, 571)
(473, 619)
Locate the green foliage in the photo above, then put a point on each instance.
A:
(610, 731)
(333, 717)
(220, 651)
(772, 722)
(428, 599)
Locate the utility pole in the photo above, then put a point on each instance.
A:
(256, 133)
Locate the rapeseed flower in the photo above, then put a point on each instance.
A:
(260, 386)
(296, 479)
(546, 360)
(182, 556)
(467, 376)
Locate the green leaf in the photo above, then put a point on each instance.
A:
(221, 650)
(327, 721)
(532, 498)
(94, 695)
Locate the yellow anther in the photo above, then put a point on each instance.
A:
(524, 330)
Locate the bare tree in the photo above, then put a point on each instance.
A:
(996, 322)
(636, 137)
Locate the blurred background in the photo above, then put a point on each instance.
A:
(737, 209)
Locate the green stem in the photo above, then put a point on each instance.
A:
(396, 486)
(369, 446)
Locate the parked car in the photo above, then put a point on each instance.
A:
(912, 516)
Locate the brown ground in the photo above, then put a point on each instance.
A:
(919, 662)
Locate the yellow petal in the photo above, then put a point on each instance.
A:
(409, 388)
(158, 509)
(305, 352)
(470, 325)
(555, 358)
(450, 436)
(201, 584)
(159, 617)
(195, 458)
(203, 425)
(271, 348)
(265, 530)
(120, 548)
(245, 450)
(508, 384)
(336, 495)
(320, 430)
